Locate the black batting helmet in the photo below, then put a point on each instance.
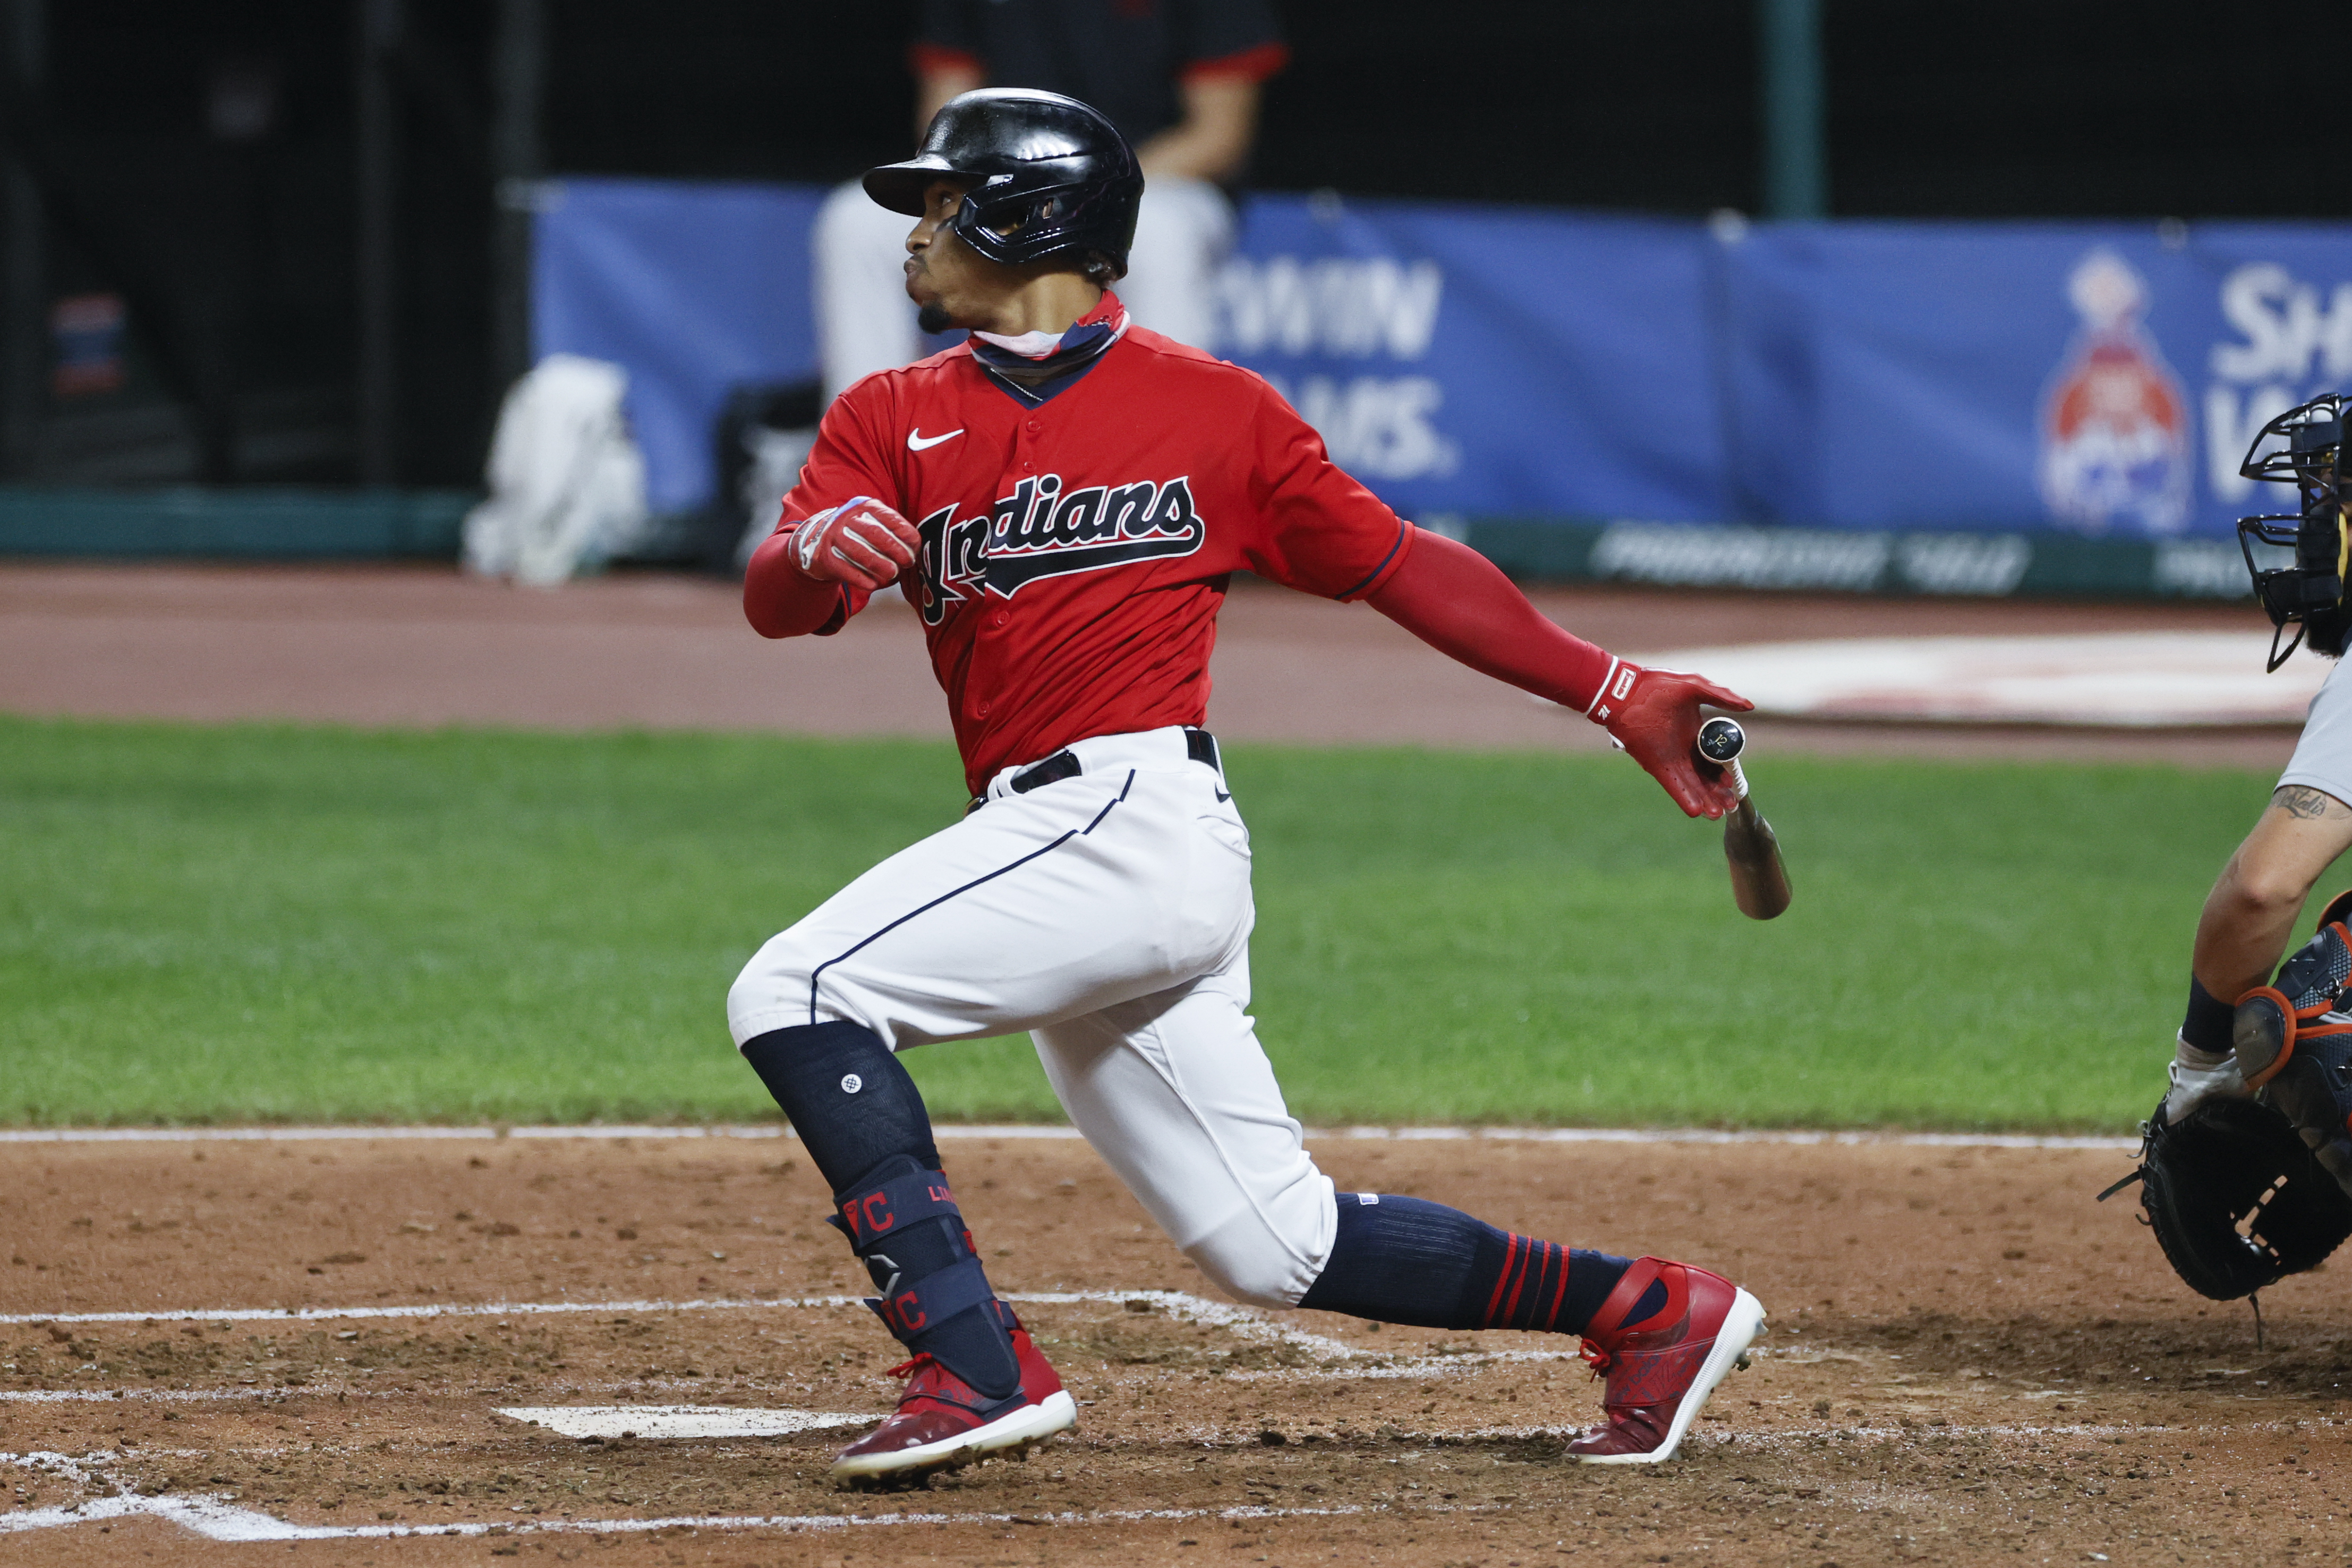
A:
(1052, 177)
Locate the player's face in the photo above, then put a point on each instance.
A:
(954, 285)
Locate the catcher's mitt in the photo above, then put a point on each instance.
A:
(2235, 1197)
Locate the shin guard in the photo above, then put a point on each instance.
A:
(861, 1121)
(2304, 1004)
(903, 1223)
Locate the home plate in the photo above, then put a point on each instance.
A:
(679, 1420)
(2136, 679)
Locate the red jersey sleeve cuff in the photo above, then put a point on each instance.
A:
(1385, 570)
(938, 59)
(1249, 65)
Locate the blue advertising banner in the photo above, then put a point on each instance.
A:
(2102, 379)
(690, 288)
(1481, 361)
(2096, 379)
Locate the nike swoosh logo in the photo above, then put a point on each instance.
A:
(919, 442)
(1221, 795)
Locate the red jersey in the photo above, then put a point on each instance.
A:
(1074, 553)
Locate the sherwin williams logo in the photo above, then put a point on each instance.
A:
(2294, 342)
(1039, 530)
(1341, 309)
(2115, 422)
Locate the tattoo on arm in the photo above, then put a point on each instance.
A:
(2308, 804)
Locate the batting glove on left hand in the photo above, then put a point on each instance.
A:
(860, 543)
(1655, 715)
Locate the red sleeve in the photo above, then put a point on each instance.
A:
(846, 463)
(1246, 65)
(1459, 602)
(938, 59)
(1319, 531)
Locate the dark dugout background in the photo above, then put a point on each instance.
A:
(203, 163)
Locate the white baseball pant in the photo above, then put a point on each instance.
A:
(1108, 915)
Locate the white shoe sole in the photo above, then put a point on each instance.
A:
(1740, 1327)
(1022, 1427)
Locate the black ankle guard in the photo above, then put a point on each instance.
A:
(904, 1224)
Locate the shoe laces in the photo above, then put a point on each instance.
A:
(911, 1365)
(1597, 1356)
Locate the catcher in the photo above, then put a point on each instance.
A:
(2247, 1163)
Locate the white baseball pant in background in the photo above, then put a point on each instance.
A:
(2323, 757)
(1108, 915)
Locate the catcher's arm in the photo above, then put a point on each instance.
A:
(2251, 912)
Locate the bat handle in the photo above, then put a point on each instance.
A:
(1717, 752)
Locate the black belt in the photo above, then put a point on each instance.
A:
(1199, 745)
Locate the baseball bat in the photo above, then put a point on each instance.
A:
(1759, 879)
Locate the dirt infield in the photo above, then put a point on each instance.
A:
(403, 646)
(304, 1351)
(1968, 1362)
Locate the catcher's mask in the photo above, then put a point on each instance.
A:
(2310, 593)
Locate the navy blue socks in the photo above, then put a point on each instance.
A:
(861, 1121)
(1407, 1260)
(2206, 1025)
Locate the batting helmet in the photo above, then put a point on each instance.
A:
(1051, 176)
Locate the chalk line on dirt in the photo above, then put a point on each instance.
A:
(1245, 1322)
(690, 1421)
(1026, 1131)
(1333, 1358)
(214, 1516)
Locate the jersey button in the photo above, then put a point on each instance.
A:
(980, 709)
(999, 619)
(1037, 426)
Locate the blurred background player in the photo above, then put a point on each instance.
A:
(1180, 80)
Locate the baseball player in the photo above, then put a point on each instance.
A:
(2250, 911)
(1063, 498)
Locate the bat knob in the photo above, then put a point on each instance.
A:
(1721, 740)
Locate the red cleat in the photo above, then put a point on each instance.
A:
(1660, 1370)
(942, 1424)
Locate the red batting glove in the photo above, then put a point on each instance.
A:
(1654, 715)
(861, 543)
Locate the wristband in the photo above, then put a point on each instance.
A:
(808, 537)
(1615, 687)
(2207, 1026)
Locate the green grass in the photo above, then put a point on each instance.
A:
(248, 922)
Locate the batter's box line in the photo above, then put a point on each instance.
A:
(344, 1392)
(212, 1516)
(1247, 1322)
(1356, 1361)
